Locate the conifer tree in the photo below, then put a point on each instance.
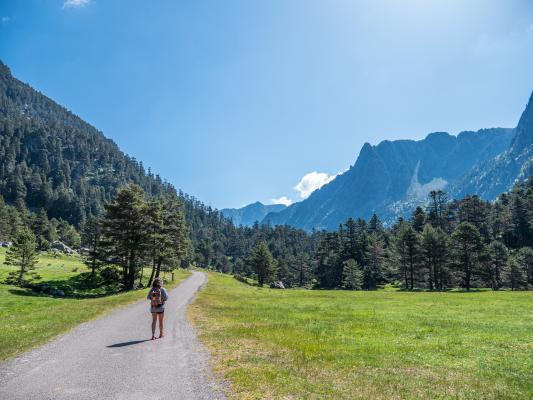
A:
(498, 257)
(125, 231)
(22, 254)
(434, 249)
(524, 259)
(92, 238)
(467, 246)
(262, 263)
(407, 248)
(352, 275)
(418, 219)
(515, 276)
(374, 261)
(437, 207)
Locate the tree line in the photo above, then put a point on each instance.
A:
(468, 243)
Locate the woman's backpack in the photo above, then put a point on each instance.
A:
(156, 297)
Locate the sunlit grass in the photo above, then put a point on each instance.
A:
(294, 344)
(28, 319)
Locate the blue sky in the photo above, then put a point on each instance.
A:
(237, 101)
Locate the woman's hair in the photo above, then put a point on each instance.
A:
(158, 282)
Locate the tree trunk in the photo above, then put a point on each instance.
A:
(152, 275)
(411, 272)
(436, 275)
(430, 275)
(158, 268)
(467, 276)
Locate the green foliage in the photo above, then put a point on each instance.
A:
(467, 247)
(22, 254)
(262, 263)
(352, 276)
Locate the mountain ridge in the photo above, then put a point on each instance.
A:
(382, 179)
(251, 213)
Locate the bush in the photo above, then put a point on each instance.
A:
(110, 275)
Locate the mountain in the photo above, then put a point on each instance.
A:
(52, 160)
(392, 178)
(490, 178)
(251, 213)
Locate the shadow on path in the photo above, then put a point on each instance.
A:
(123, 344)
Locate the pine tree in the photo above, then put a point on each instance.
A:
(437, 207)
(524, 259)
(352, 275)
(498, 256)
(407, 248)
(434, 249)
(374, 261)
(41, 228)
(418, 219)
(375, 225)
(467, 246)
(92, 237)
(262, 263)
(125, 232)
(515, 276)
(22, 254)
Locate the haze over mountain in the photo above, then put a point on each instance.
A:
(390, 179)
(251, 213)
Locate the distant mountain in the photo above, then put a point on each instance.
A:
(392, 178)
(490, 178)
(251, 213)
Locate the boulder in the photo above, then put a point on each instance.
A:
(277, 285)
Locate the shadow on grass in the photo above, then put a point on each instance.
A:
(82, 286)
(124, 344)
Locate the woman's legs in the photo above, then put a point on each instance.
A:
(161, 316)
(154, 321)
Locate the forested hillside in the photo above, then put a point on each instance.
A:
(53, 160)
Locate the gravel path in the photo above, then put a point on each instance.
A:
(111, 358)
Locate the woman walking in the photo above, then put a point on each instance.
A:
(157, 296)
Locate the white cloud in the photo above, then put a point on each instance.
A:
(282, 200)
(75, 3)
(311, 182)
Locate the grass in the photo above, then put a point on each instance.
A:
(298, 344)
(28, 319)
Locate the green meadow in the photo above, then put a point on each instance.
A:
(28, 319)
(385, 344)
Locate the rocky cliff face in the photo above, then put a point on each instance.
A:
(393, 177)
(495, 175)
